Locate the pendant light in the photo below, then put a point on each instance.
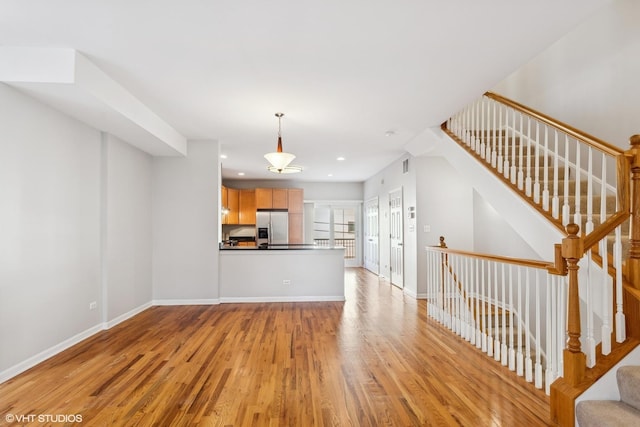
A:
(280, 161)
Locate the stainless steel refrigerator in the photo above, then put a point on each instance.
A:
(272, 227)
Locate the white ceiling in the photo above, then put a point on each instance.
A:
(344, 72)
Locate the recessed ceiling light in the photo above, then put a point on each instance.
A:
(241, 173)
(330, 174)
(223, 156)
(340, 159)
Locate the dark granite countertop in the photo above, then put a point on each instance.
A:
(280, 247)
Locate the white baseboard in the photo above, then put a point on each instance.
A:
(50, 352)
(229, 300)
(202, 301)
(70, 342)
(128, 315)
(58, 348)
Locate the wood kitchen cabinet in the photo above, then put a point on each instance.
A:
(233, 204)
(264, 198)
(223, 204)
(296, 202)
(272, 198)
(247, 207)
(280, 199)
(296, 234)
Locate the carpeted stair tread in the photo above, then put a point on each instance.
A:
(606, 413)
(628, 378)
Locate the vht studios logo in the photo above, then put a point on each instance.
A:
(43, 418)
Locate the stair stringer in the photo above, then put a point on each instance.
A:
(534, 228)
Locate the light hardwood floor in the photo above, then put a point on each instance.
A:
(374, 360)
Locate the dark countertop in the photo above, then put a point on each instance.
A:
(277, 247)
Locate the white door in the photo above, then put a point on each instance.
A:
(396, 235)
(371, 236)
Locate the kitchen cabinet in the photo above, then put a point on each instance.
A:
(233, 204)
(247, 207)
(295, 199)
(296, 234)
(272, 198)
(223, 204)
(264, 198)
(280, 199)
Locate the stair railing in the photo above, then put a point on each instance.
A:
(511, 309)
(569, 177)
(584, 186)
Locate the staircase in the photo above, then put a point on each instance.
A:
(614, 413)
(582, 187)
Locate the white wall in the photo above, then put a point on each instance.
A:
(127, 283)
(445, 206)
(493, 235)
(50, 227)
(380, 185)
(185, 206)
(589, 78)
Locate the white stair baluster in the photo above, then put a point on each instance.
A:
(528, 365)
(519, 354)
(514, 172)
(536, 181)
(538, 365)
(521, 156)
(545, 167)
(496, 312)
(621, 333)
(577, 215)
(555, 201)
(512, 351)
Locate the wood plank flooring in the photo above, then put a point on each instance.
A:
(374, 360)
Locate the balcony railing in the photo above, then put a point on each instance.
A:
(348, 244)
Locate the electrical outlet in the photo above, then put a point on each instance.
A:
(93, 305)
(286, 282)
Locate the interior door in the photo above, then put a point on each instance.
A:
(397, 238)
(371, 236)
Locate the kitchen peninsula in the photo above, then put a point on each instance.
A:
(281, 273)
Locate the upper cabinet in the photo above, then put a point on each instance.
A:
(280, 198)
(247, 207)
(264, 198)
(274, 198)
(239, 205)
(224, 201)
(233, 204)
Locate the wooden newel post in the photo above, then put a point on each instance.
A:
(575, 360)
(634, 251)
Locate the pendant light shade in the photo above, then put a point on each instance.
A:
(280, 161)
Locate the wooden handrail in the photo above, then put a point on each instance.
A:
(569, 130)
(508, 260)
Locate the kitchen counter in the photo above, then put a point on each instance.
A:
(281, 247)
(281, 273)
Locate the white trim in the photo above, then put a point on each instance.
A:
(226, 300)
(50, 352)
(410, 293)
(128, 315)
(70, 342)
(200, 301)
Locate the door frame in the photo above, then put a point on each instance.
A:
(374, 268)
(399, 283)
